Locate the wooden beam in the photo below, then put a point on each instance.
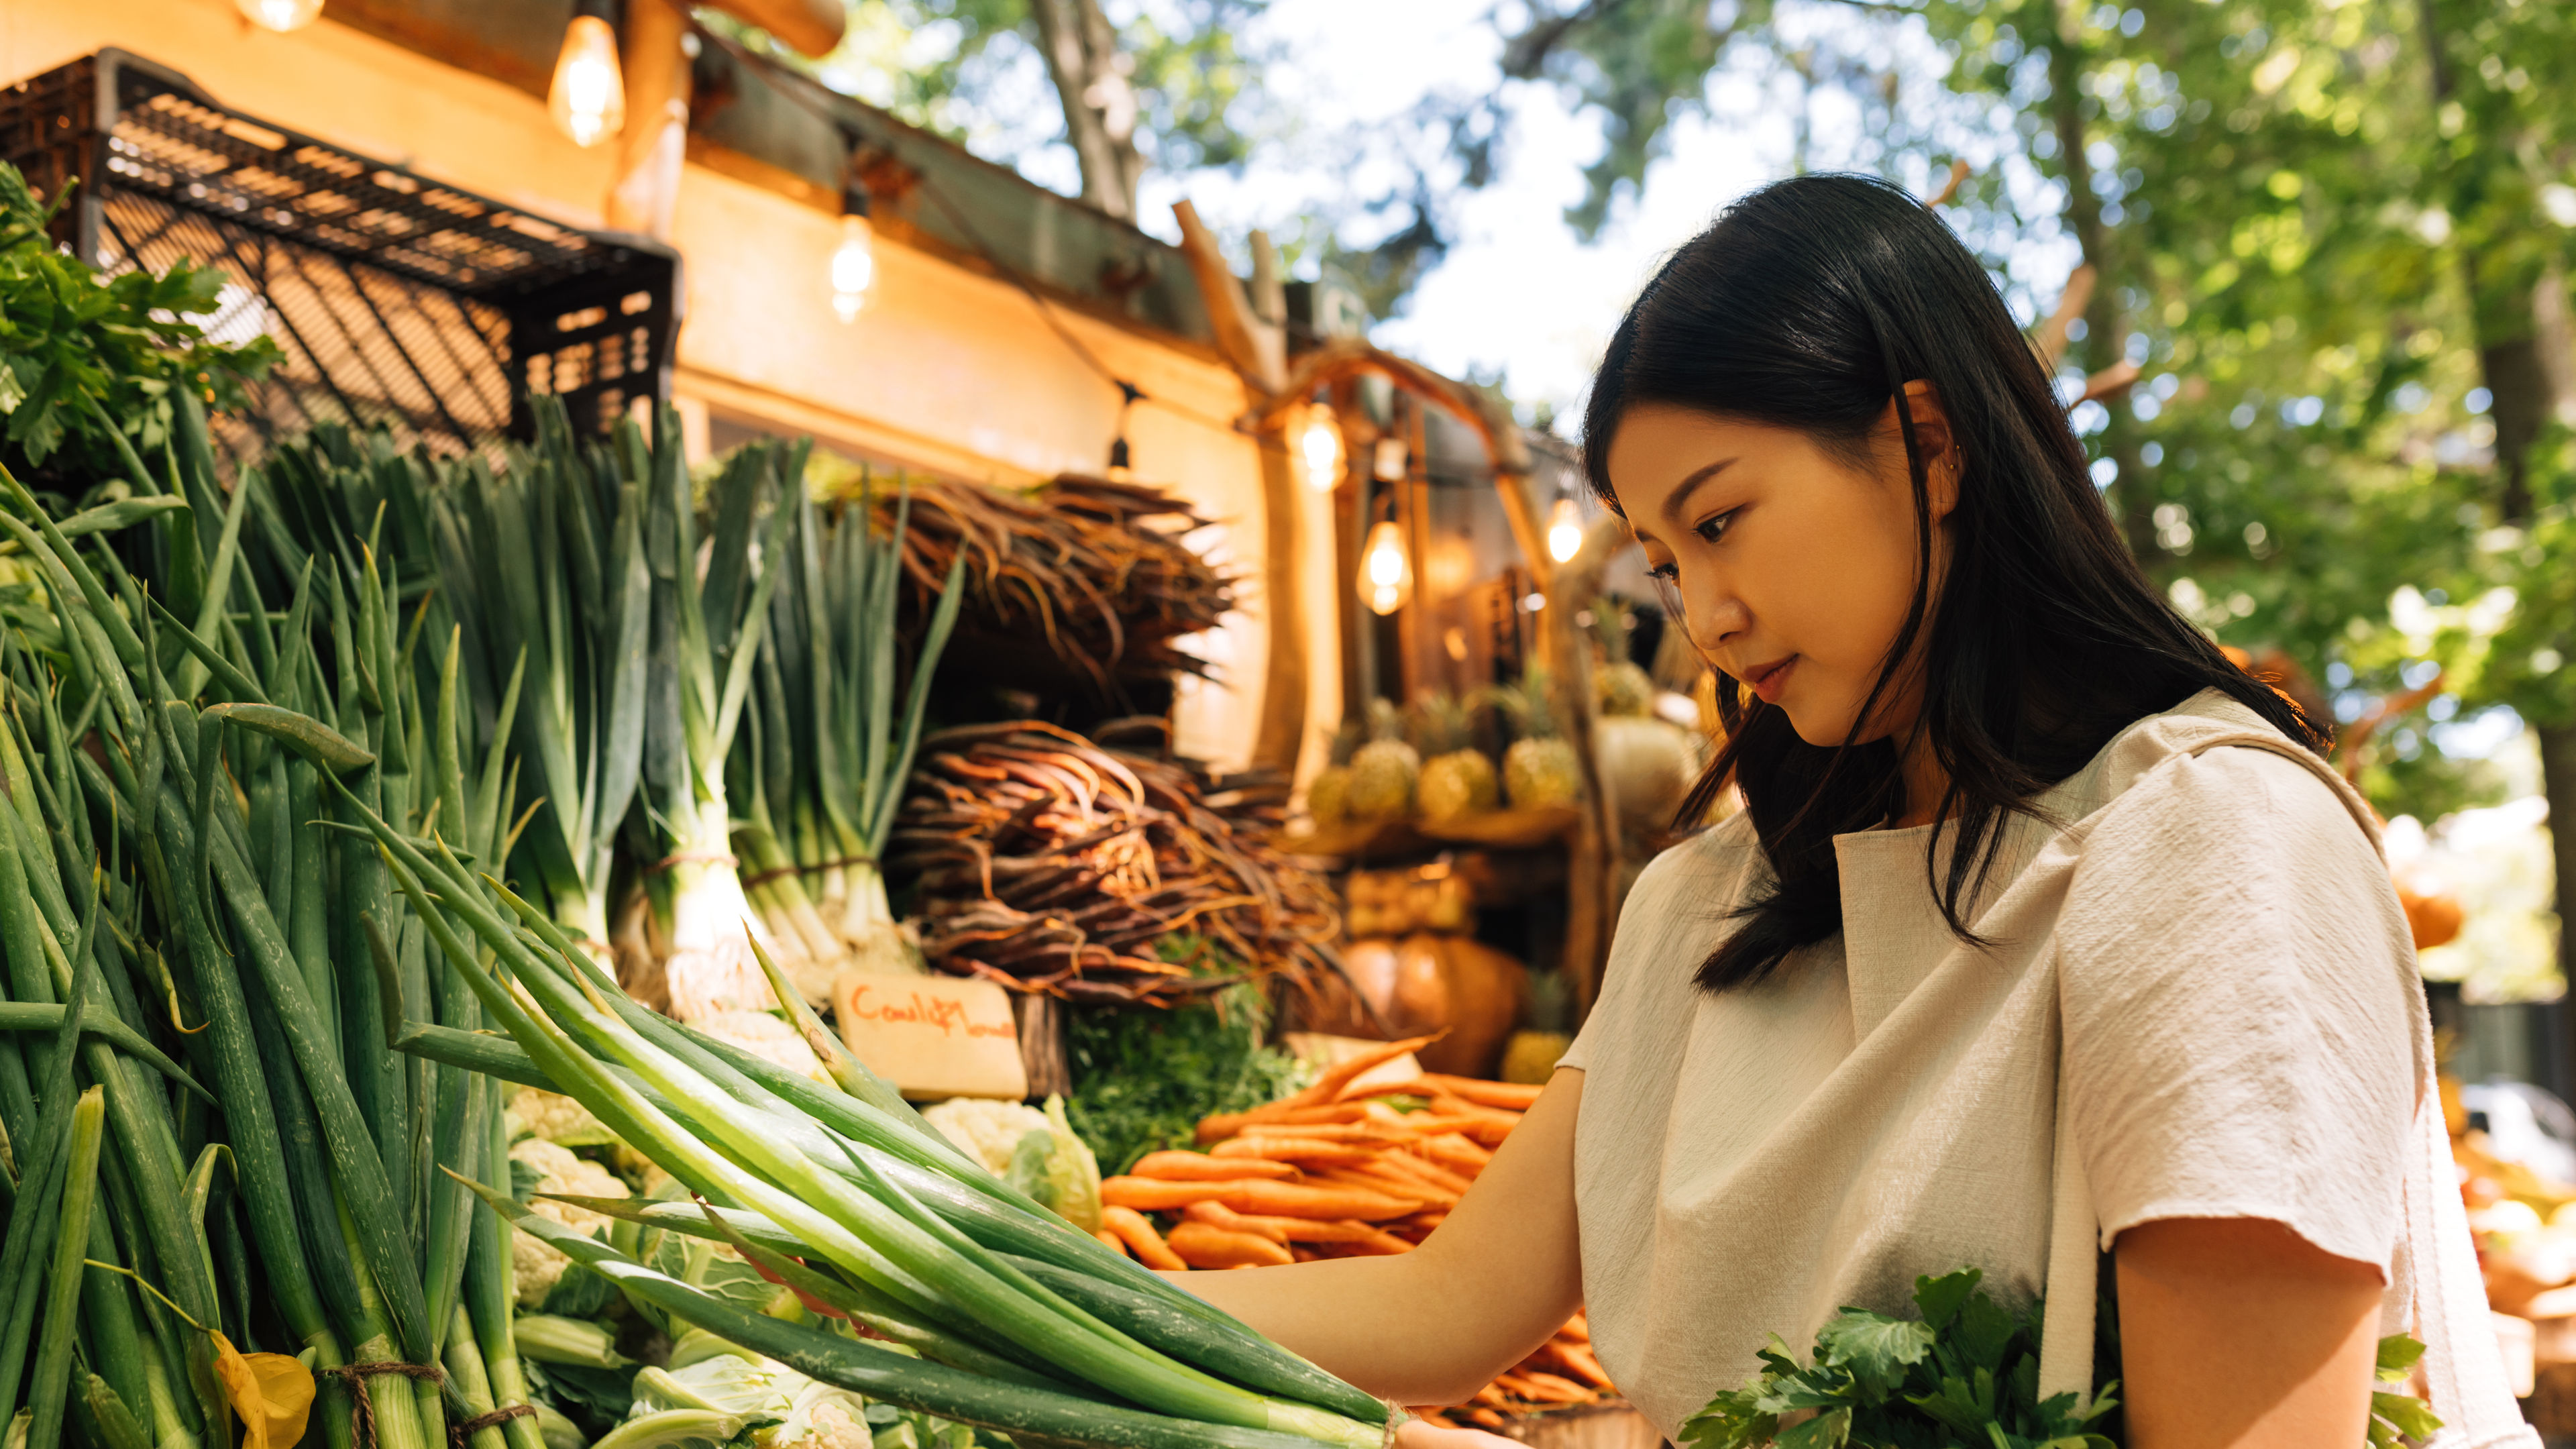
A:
(812, 27)
(1257, 349)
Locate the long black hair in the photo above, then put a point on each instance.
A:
(1809, 305)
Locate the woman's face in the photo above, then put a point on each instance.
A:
(1794, 564)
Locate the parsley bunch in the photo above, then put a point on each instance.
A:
(1966, 1374)
(86, 358)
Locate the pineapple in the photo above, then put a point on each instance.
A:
(1619, 687)
(1531, 1054)
(1328, 794)
(1385, 770)
(1457, 778)
(1540, 768)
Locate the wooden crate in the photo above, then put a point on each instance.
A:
(1593, 1426)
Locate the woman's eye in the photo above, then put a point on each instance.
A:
(1669, 573)
(1712, 529)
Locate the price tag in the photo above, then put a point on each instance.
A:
(933, 1036)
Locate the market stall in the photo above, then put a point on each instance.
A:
(542, 630)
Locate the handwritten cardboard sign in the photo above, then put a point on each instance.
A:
(933, 1036)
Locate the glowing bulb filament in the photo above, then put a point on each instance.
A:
(1564, 531)
(279, 15)
(588, 97)
(1320, 445)
(854, 267)
(1386, 573)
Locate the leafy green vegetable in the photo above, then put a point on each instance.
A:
(1144, 1076)
(1969, 1367)
(78, 349)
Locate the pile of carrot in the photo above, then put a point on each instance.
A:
(1339, 1170)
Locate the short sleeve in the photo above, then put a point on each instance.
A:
(2235, 974)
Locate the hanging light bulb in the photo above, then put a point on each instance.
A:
(1564, 530)
(588, 97)
(1319, 445)
(1386, 574)
(854, 261)
(279, 15)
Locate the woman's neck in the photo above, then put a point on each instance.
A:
(1926, 783)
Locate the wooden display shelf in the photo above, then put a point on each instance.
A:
(1383, 840)
(1611, 1425)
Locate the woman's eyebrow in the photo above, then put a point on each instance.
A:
(1681, 495)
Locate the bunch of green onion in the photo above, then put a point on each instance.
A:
(183, 773)
(1003, 1315)
(829, 746)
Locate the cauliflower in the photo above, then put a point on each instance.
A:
(1036, 1152)
(986, 1130)
(558, 1118)
(537, 1266)
(765, 1036)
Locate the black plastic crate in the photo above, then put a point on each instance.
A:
(397, 299)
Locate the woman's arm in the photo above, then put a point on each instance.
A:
(2237, 1333)
(1435, 1325)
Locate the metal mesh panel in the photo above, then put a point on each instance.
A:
(397, 300)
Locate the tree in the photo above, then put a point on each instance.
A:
(1171, 86)
(2334, 235)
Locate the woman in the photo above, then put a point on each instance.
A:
(2039, 914)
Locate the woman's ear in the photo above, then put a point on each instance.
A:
(1938, 443)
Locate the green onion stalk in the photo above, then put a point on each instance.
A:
(884, 1210)
(829, 743)
(543, 566)
(194, 753)
(710, 599)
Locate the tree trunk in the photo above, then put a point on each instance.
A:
(2105, 332)
(2520, 307)
(1090, 73)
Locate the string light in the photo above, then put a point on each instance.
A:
(854, 261)
(1386, 573)
(1564, 531)
(588, 97)
(1319, 444)
(279, 15)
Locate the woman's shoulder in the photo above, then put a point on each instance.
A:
(1702, 864)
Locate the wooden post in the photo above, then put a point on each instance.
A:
(644, 194)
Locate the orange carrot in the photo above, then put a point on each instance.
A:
(1486, 1417)
(1508, 1096)
(1148, 1194)
(1138, 1234)
(1203, 1245)
(1577, 1328)
(1366, 1202)
(1292, 1149)
(1329, 1086)
(1453, 1150)
(1110, 1240)
(1218, 1215)
(1577, 1360)
(1374, 1180)
(1551, 1388)
(1220, 1127)
(1408, 1166)
(1200, 1167)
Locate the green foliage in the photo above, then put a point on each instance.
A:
(1967, 1370)
(1968, 1367)
(78, 349)
(957, 66)
(1143, 1076)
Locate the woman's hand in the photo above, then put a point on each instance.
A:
(1435, 1325)
(2239, 1332)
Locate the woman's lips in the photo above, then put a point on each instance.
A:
(1769, 680)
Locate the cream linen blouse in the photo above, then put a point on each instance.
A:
(2212, 937)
